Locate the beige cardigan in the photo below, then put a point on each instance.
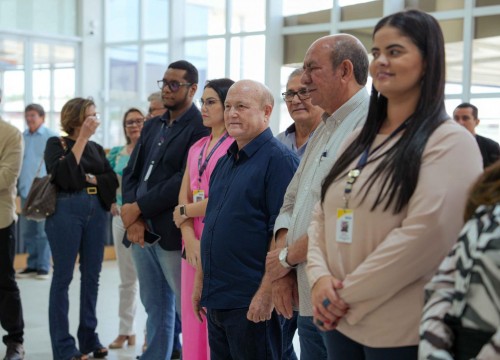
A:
(11, 154)
(392, 256)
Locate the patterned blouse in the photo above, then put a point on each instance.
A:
(467, 285)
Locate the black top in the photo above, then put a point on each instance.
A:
(489, 150)
(70, 176)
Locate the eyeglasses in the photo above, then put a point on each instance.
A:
(208, 102)
(96, 115)
(132, 122)
(173, 85)
(303, 94)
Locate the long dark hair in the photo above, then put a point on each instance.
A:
(401, 164)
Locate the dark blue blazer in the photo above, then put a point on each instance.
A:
(165, 179)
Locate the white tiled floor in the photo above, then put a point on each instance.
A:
(35, 299)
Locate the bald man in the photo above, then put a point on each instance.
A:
(246, 193)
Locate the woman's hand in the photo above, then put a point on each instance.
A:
(192, 247)
(178, 219)
(89, 126)
(328, 307)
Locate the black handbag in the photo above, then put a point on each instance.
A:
(42, 197)
(467, 342)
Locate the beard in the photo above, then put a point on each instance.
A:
(179, 104)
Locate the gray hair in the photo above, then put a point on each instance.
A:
(156, 96)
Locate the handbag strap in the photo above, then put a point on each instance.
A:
(65, 148)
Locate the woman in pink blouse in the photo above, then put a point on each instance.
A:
(391, 206)
(188, 215)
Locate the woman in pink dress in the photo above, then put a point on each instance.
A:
(188, 215)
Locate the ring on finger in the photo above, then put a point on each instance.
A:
(319, 322)
(326, 302)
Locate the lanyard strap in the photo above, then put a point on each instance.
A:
(202, 167)
(353, 174)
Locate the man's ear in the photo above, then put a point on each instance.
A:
(346, 69)
(477, 121)
(192, 90)
(268, 109)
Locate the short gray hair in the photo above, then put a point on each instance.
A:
(156, 96)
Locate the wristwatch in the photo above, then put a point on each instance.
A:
(282, 258)
(182, 211)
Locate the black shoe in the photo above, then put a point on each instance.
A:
(42, 275)
(176, 355)
(15, 351)
(100, 353)
(28, 272)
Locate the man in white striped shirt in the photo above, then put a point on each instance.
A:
(335, 74)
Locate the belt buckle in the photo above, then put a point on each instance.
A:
(92, 190)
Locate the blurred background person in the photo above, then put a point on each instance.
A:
(86, 189)
(467, 115)
(391, 205)
(189, 214)
(306, 116)
(33, 232)
(118, 157)
(461, 318)
(156, 107)
(11, 310)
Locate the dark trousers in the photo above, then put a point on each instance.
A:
(339, 347)
(232, 336)
(11, 311)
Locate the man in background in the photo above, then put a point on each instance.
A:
(11, 312)
(156, 107)
(306, 116)
(467, 115)
(33, 232)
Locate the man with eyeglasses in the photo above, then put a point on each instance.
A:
(306, 116)
(335, 74)
(151, 184)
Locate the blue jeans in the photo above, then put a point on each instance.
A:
(288, 327)
(232, 336)
(341, 347)
(11, 310)
(36, 242)
(312, 346)
(78, 227)
(159, 274)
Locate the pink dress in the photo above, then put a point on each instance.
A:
(195, 334)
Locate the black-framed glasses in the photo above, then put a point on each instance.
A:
(303, 94)
(134, 122)
(173, 85)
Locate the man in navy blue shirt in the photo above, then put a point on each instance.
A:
(246, 193)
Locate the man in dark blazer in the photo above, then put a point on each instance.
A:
(151, 184)
(467, 115)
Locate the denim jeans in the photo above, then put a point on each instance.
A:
(11, 311)
(159, 274)
(312, 346)
(341, 347)
(78, 227)
(232, 336)
(288, 327)
(36, 242)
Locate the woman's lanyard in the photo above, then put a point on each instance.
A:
(353, 174)
(202, 167)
